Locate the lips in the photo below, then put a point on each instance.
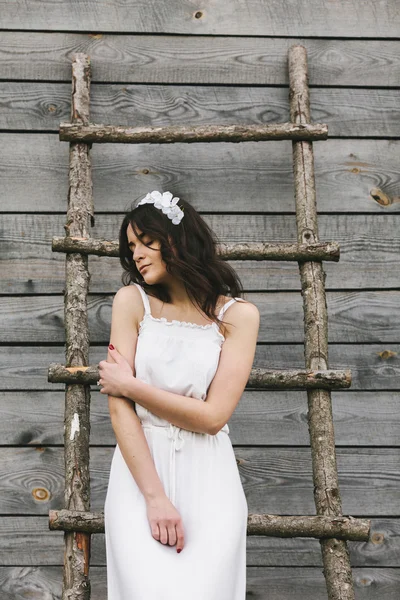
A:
(143, 267)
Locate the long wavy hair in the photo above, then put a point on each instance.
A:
(195, 261)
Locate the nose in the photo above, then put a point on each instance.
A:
(137, 253)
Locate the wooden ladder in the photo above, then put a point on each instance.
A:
(76, 520)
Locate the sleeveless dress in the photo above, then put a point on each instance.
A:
(199, 474)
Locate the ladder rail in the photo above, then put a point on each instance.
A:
(80, 216)
(335, 554)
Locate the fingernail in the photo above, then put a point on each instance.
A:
(111, 347)
(179, 550)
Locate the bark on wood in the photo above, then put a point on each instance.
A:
(76, 584)
(240, 251)
(170, 134)
(272, 525)
(259, 378)
(337, 568)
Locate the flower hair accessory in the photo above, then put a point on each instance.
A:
(165, 202)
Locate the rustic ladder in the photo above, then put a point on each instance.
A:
(76, 520)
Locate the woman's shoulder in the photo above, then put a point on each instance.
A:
(129, 299)
(126, 293)
(225, 299)
(241, 313)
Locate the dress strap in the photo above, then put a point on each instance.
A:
(145, 299)
(227, 305)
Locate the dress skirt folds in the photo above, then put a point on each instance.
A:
(199, 474)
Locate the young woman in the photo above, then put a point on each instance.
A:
(175, 511)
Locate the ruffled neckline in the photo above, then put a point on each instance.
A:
(181, 324)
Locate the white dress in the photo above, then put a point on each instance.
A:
(199, 474)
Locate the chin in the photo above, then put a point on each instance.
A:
(148, 277)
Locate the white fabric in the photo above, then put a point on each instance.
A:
(199, 474)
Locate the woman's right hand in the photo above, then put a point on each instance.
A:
(165, 522)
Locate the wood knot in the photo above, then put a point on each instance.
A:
(385, 354)
(377, 538)
(365, 581)
(380, 197)
(41, 494)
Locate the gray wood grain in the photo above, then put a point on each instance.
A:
(368, 259)
(196, 59)
(380, 551)
(348, 112)
(355, 317)
(249, 178)
(244, 177)
(263, 583)
(318, 17)
(374, 366)
(275, 480)
(361, 418)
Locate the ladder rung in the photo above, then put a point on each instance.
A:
(317, 526)
(282, 379)
(169, 134)
(329, 251)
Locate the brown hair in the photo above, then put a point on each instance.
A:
(195, 261)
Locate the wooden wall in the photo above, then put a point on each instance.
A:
(208, 62)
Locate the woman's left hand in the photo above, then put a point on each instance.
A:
(114, 377)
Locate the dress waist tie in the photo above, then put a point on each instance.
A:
(174, 433)
(177, 441)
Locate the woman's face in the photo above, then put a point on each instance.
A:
(145, 255)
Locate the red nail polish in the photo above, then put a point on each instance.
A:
(111, 347)
(179, 550)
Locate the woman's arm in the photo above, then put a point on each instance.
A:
(126, 424)
(226, 388)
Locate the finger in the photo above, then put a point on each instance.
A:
(155, 531)
(115, 355)
(163, 533)
(180, 536)
(171, 534)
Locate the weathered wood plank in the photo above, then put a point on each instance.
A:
(318, 17)
(348, 112)
(245, 177)
(361, 418)
(196, 59)
(275, 480)
(356, 317)
(20, 534)
(374, 366)
(368, 259)
(263, 583)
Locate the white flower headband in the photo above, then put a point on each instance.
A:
(167, 203)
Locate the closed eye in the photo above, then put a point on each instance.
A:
(131, 245)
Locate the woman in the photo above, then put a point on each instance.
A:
(175, 511)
